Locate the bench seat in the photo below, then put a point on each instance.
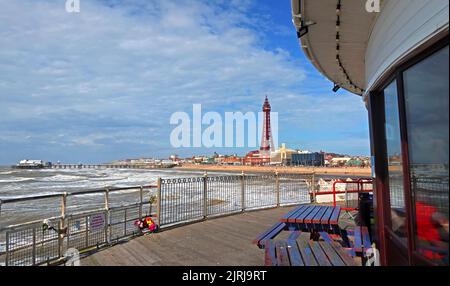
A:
(306, 253)
(361, 241)
(269, 234)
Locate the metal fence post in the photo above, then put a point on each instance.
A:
(86, 232)
(125, 222)
(277, 186)
(64, 230)
(7, 249)
(141, 201)
(205, 198)
(313, 187)
(243, 191)
(107, 219)
(158, 201)
(34, 246)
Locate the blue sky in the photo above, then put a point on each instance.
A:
(102, 84)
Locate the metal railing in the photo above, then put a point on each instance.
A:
(431, 191)
(95, 218)
(190, 199)
(86, 219)
(349, 190)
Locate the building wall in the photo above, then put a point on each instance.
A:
(401, 27)
(311, 159)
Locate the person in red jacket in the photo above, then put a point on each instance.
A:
(432, 232)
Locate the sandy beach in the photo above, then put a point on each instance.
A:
(355, 171)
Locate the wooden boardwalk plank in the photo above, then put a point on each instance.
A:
(220, 241)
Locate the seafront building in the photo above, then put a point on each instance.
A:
(308, 159)
(395, 57)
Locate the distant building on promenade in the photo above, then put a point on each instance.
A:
(308, 159)
(256, 158)
(282, 156)
(232, 160)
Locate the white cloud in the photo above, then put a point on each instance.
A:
(136, 61)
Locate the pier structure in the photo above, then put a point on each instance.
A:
(105, 166)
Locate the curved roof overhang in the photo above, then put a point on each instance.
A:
(336, 38)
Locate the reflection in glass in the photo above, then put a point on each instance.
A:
(426, 98)
(394, 154)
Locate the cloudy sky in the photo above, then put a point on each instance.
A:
(102, 84)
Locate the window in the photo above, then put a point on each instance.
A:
(426, 92)
(394, 158)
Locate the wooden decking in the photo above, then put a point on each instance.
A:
(221, 241)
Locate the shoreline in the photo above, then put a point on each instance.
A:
(355, 171)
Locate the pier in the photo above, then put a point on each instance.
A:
(107, 166)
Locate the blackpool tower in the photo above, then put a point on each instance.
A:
(267, 139)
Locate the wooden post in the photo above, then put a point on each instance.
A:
(158, 202)
(205, 198)
(243, 191)
(277, 186)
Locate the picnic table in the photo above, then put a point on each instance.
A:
(313, 218)
(315, 239)
(300, 251)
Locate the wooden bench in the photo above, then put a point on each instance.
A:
(361, 241)
(269, 234)
(313, 218)
(293, 252)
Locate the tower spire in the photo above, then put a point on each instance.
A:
(267, 139)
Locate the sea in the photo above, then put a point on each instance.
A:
(18, 183)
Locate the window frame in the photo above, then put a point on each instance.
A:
(378, 135)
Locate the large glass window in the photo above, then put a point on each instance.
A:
(427, 115)
(395, 164)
